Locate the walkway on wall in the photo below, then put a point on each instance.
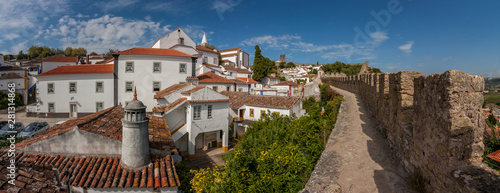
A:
(357, 155)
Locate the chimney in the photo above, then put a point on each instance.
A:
(135, 137)
(87, 62)
(192, 79)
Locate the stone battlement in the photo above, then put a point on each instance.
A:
(433, 123)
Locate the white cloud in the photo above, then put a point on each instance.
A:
(446, 59)
(378, 38)
(175, 7)
(114, 4)
(223, 6)
(195, 32)
(406, 48)
(21, 46)
(21, 20)
(106, 32)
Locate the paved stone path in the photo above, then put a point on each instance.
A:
(368, 163)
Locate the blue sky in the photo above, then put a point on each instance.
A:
(425, 36)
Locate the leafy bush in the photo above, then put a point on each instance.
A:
(491, 144)
(276, 154)
(4, 100)
(340, 67)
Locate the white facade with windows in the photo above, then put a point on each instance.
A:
(65, 95)
(148, 74)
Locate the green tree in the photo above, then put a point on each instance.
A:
(260, 69)
(93, 54)
(491, 121)
(290, 65)
(79, 52)
(109, 54)
(21, 55)
(68, 51)
(282, 65)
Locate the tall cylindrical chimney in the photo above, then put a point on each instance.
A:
(135, 137)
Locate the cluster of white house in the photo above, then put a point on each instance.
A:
(175, 79)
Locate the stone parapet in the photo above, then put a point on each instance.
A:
(434, 124)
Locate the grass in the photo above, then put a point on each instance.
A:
(492, 98)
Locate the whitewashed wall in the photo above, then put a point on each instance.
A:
(85, 96)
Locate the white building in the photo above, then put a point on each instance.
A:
(149, 70)
(94, 59)
(237, 71)
(216, 82)
(75, 90)
(253, 107)
(179, 40)
(269, 80)
(251, 84)
(197, 116)
(234, 57)
(56, 61)
(287, 88)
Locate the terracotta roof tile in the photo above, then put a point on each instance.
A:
(169, 90)
(61, 59)
(108, 123)
(10, 68)
(230, 49)
(285, 83)
(238, 99)
(213, 78)
(209, 101)
(106, 61)
(211, 65)
(153, 51)
(234, 96)
(80, 69)
(40, 179)
(495, 156)
(248, 80)
(239, 70)
(11, 75)
(171, 106)
(197, 88)
(203, 48)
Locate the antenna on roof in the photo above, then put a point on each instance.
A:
(135, 94)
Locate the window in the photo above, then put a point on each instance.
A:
(209, 112)
(50, 88)
(215, 61)
(227, 88)
(276, 112)
(129, 86)
(251, 112)
(240, 89)
(262, 114)
(99, 87)
(129, 67)
(181, 41)
(52, 108)
(157, 67)
(214, 88)
(205, 60)
(72, 87)
(99, 106)
(197, 112)
(156, 86)
(182, 68)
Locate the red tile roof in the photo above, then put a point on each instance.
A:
(495, 156)
(249, 80)
(61, 59)
(285, 83)
(10, 75)
(203, 48)
(80, 69)
(108, 123)
(229, 55)
(211, 77)
(169, 90)
(105, 61)
(271, 77)
(237, 100)
(35, 173)
(171, 106)
(238, 81)
(230, 49)
(239, 70)
(197, 88)
(209, 101)
(211, 65)
(154, 51)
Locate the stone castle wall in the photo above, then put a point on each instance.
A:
(433, 123)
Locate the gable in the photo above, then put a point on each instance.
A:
(172, 39)
(207, 94)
